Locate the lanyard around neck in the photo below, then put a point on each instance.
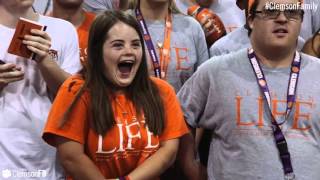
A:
(262, 82)
(160, 67)
(280, 140)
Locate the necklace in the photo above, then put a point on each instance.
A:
(125, 113)
(159, 44)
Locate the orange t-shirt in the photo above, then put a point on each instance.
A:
(128, 143)
(83, 34)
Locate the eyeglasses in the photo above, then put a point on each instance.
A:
(290, 14)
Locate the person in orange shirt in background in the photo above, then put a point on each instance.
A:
(114, 121)
(72, 11)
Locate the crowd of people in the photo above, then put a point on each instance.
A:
(132, 90)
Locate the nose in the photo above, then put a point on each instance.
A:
(128, 50)
(282, 18)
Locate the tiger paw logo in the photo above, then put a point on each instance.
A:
(6, 173)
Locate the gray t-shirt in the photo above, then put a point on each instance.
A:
(223, 96)
(237, 39)
(188, 48)
(98, 6)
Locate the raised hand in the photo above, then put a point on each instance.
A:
(38, 42)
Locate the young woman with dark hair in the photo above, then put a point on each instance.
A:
(115, 121)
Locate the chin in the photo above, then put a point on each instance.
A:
(124, 82)
(283, 44)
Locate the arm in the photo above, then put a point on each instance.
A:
(70, 137)
(9, 73)
(76, 163)
(193, 98)
(186, 159)
(198, 135)
(39, 42)
(158, 162)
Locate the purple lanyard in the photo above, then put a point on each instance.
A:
(148, 41)
(291, 96)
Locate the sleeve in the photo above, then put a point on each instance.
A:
(70, 57)
(222, 45)
(200, 44)
(194, 94)
(215, 49)
(75, 127)
(175, 125)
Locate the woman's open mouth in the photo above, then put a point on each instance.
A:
(125, 68)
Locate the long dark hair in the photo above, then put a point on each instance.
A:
(143, 92)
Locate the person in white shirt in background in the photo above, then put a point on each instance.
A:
(27, 87)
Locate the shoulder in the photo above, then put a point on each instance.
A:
(310, 60)
(310, 66)
(56, 25)
(72, 84)
(230, 60)
(49, 19)
(233, 41)
(186, 21)
(163, 86)
(183, 17)
(240, 32)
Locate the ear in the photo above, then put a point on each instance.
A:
(250, 19)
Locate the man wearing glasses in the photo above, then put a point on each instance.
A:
(261, 103)
(237, 40)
